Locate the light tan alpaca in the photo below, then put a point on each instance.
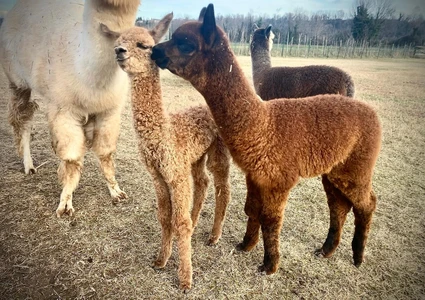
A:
(58, 50)
(174, 147)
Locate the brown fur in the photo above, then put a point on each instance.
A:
(292, 82)
(277, 142)
(174, 148)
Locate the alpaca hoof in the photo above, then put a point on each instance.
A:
(242, 247)
(30, 170)
(118, 196)
(68, 210)
(267, 270)
(319, 253)
(212, 240)
(159, 264)
(358, 262)
(185, 287)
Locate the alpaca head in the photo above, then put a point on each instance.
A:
(193, 47)
(133, 47)
(262, 38)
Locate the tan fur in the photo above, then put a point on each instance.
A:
(292, 82)
(277, 142)
(174, 147)
(57, 49)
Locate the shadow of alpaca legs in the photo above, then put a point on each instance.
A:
(339, 206)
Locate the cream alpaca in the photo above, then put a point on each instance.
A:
(50, 49)
(174, 147)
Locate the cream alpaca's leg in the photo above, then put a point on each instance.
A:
(219, 165)
(182, 225)
(164, 217)
(200, 186)
(68, 142)
(105, 136)
(21, 111)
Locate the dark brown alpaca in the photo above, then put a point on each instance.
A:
(292, 82)
(277, 142)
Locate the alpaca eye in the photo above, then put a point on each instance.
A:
(141, 46)
(186, 48)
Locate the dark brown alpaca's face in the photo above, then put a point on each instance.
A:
(262, 38)
(186, 53)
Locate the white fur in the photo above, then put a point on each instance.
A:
(56, 49)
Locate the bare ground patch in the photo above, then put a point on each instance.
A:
(106, 250)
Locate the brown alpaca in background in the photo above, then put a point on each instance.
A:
(292, 82)
(56, 49)
(174, 147)
(277, 142)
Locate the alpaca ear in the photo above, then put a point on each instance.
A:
(267, 31)
(255, 27)
(161, 28)
(108, 32)
(202, 14)
(209, 28)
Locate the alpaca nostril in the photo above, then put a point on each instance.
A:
(119, 50)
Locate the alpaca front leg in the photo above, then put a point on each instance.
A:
(252, 210)
(164, 216)
(105, 136)
(200, 186)
(68, 142)
(271, 221)
(183, 229)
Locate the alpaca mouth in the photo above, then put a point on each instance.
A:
(121, 59)
(162, 62)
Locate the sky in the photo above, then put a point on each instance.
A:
(155, 9)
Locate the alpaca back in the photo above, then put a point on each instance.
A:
(47, 47)
(300, 82)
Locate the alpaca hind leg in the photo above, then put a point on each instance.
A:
(105, 136)
(271, 221)
(219, 165)
(182, 225)
(164, 217)
(339, 206)
(21, 112)
(200, 185)
(363, 219)
(68, 142)
(252, 209)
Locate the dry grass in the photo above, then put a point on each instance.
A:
(106, 251)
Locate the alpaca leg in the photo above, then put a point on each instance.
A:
(105, 136)
(252, 209)
(219, 165)
(200, 185)
(363, 219)
(182, 224)
(164, 217)
(21, 111)
(68, 142)
(271, 221)
(339, 206)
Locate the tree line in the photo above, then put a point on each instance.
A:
(373, 22)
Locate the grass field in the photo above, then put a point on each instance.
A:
(105, 251)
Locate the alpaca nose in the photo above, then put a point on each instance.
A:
(157, 53)
(120, 50)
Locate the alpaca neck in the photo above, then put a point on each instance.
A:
(150, 120)
(261, 60)
(235, 106)
(96, 50)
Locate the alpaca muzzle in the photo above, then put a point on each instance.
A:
(121, 53)
(158, 55)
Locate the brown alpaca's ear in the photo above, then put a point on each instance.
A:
(161, 28)
(108, 32)
(209, 28)
(267, 31)
(202, 14)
